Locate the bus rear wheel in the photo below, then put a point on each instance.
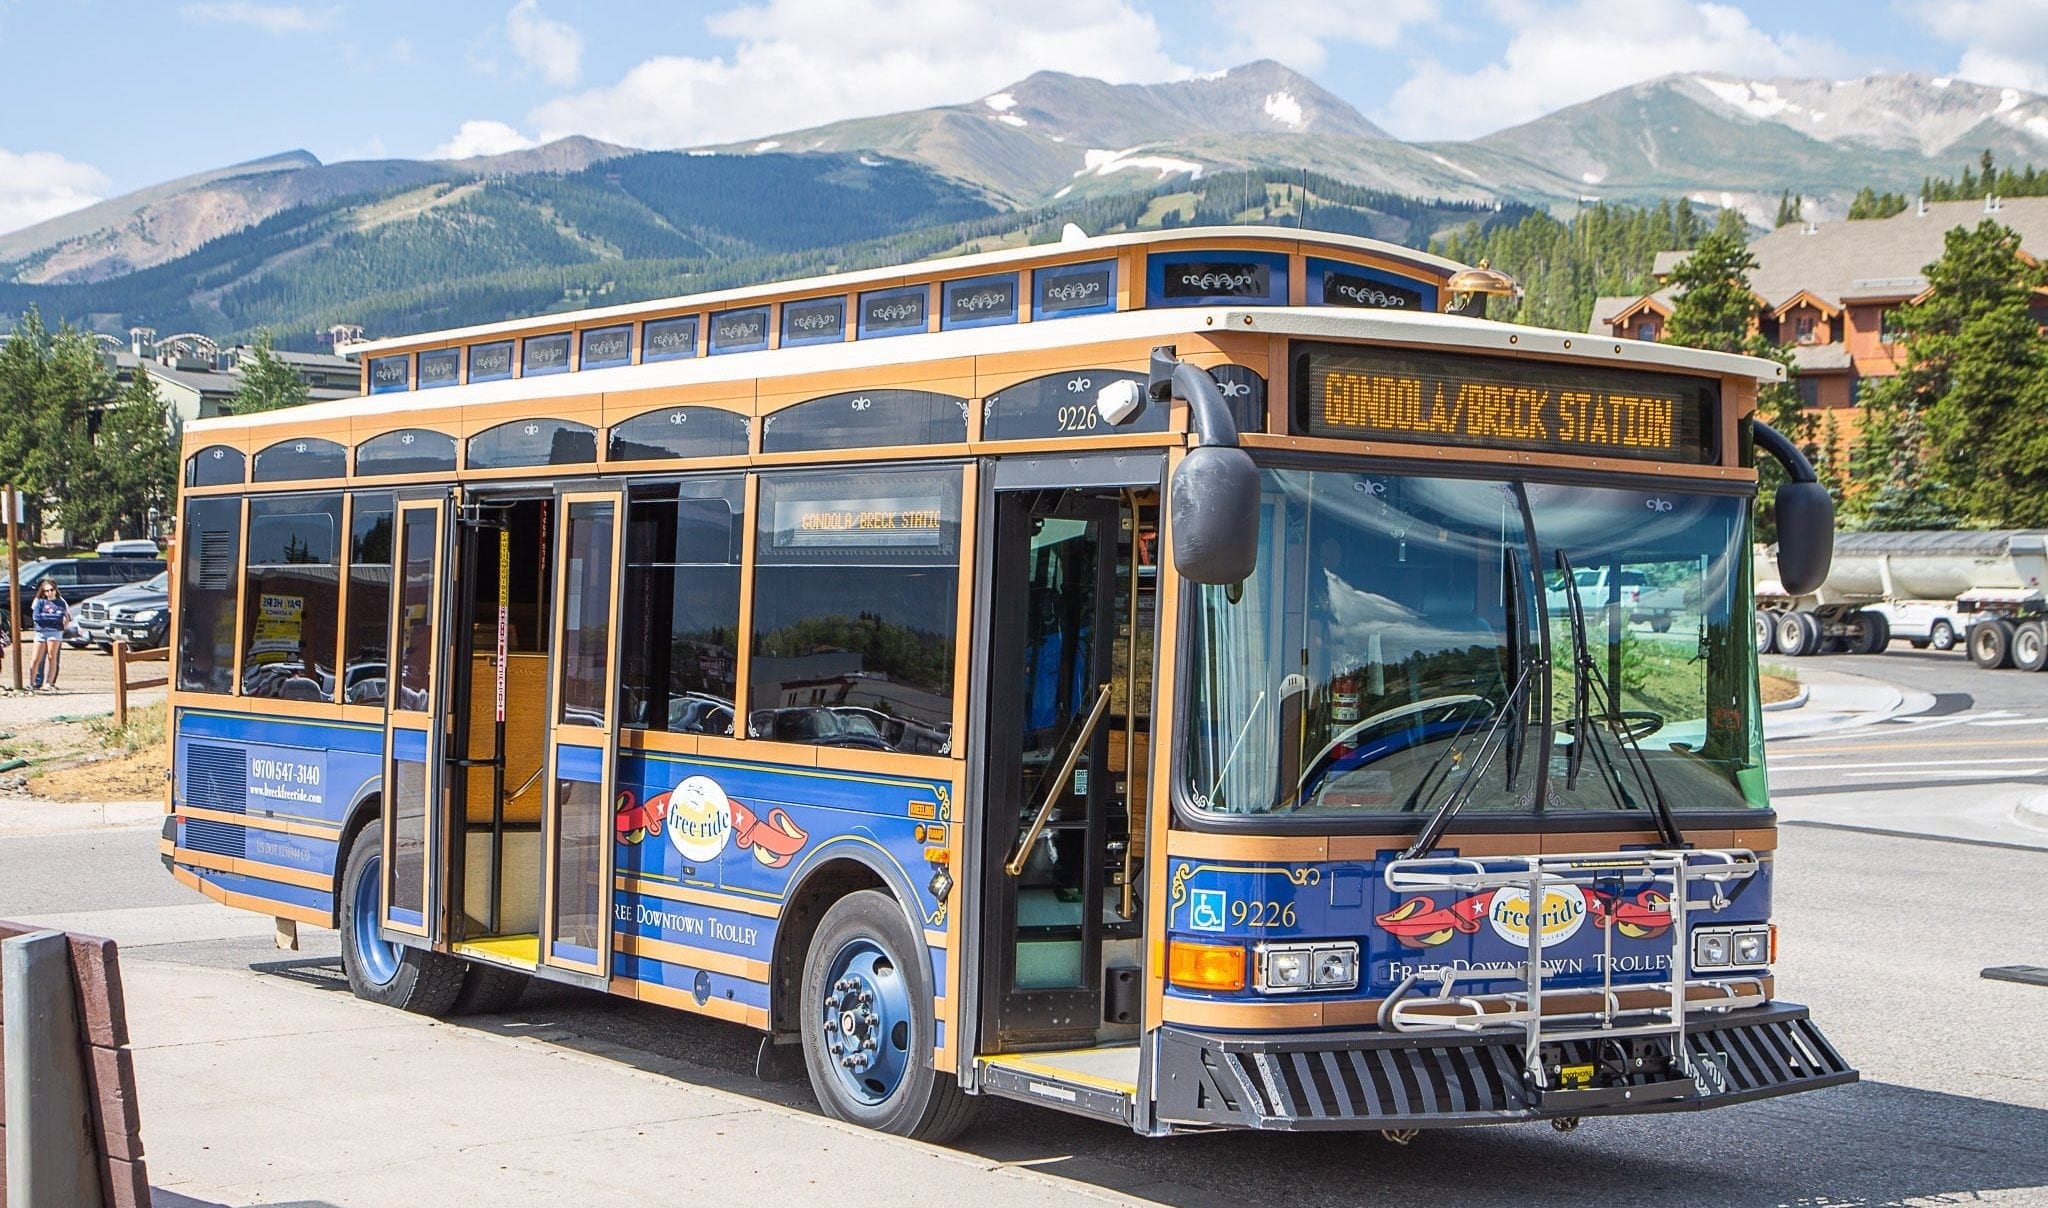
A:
(867, 1024)
(425, 983)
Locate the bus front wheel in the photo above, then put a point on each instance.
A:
(867, 1024)
(425, 983)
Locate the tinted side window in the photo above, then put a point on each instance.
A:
(679, 649)
(291, 596)
(369, 600)
(214, 466)
(210, 541)
(679, 432)
(855, 609)
(532, 442)
(299, 460)
(408, 451)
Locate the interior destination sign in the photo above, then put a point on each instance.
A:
(1375, 394)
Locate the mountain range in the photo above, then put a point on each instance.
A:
(290, 243)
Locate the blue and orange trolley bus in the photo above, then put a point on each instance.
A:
(1190, 679)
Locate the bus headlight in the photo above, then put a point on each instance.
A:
(1731, 947)
(1295, 968)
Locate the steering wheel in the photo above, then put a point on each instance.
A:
(1631, 724)
(1355, 736)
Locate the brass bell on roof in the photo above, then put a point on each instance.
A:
(1469, 284)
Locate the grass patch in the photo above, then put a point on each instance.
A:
(144, 731)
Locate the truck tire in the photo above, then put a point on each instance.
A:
(2030, 646)
(1870, 632)
(1991, 643)
(1766, 631)
(1798, 634)
(1942, 636)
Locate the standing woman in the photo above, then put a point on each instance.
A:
(49, 614)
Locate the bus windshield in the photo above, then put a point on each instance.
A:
(1405, 635)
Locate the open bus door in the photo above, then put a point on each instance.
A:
(415, 676)
(1068, 691)
(583, 739)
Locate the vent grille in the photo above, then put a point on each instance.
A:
(220, 838)
(216, 559)
(217, 778)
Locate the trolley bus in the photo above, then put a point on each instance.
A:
(1150, 676)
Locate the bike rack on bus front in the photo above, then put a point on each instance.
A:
(1553, 1017)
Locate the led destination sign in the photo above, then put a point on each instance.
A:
(1498, 403)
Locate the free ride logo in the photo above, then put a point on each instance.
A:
(1561, 915)
(1420, 923)
(701, 821)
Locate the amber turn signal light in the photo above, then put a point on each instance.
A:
(1205, 966)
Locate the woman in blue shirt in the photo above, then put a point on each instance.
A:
(49, 614)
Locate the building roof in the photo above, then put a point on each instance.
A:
(1874, 259)
(1810, 358)
(197, 381)
(1664, 262)
(1608, 309)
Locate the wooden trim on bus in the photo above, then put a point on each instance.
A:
(813, 459)
(963, 606)
(250, 902)
(736, 397)
(195, 858)
(1120, 442)
(717, 1008)
(241, 594)
(743, 666)
(759, 907)
(695, 958)
(1420, 453)
(1159, 781)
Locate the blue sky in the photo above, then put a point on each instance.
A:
(105, 96)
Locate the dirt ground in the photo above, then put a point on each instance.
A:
(67, 742)
(1778, 687)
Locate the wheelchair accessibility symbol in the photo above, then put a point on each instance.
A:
(1206, 908)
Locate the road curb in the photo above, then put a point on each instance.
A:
(1797, 701)
(2032, 811)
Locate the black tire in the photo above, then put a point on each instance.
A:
(1991, 643)
(1660, 625)
(1871, 632)
(925, 1103)
(2030, 646)
(1766, 632)
(425, 983)
(489, 990)
(1942, 636)
(1917, 643)
(1797, 634)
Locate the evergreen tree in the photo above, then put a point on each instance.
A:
(1790, 207)
(137, 452)
(50, 383)
(268, 383)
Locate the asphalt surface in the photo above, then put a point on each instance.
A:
(1883, 935)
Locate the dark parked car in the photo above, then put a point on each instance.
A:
(138, 614)
(80, 579)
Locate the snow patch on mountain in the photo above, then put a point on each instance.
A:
(1754, 97)
(1283, 108)
(1011, 119)
(1103, 163)
(1000, 101)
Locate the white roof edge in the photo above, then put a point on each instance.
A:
(1452, 332)
(947, 264)
(1484, 335)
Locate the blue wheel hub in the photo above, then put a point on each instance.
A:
(379, 956)
(865, 1021)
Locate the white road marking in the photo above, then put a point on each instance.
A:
(2014, 721)
(1992, 774)
(1910, 763)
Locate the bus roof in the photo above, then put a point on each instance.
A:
(1455, 333)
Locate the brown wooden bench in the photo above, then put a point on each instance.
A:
(98, 1034)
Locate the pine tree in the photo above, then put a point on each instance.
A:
(268, 383)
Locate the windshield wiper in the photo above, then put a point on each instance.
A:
(1586, 678)
(1528, 662)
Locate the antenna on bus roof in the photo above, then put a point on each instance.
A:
(1072, 233)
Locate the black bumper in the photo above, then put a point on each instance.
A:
(1358, 1080)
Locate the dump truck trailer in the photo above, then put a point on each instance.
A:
(1931, 588)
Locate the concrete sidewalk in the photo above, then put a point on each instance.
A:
(279, 1087)
(1837, 700)
(35, 816)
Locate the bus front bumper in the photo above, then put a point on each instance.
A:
(1365, 1080)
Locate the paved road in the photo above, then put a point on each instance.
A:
(1883, 935)
(1972, 748)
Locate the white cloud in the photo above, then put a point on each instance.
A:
(552, 50)
(799, 63)
(481, 138)
(1559, 54)
(2004, 43)
(270, 18)
(35, 185)
(1300, 34)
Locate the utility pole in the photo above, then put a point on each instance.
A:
(12, 504)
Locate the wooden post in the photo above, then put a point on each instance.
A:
(13, 582)
(51, 1154)
(120, 683)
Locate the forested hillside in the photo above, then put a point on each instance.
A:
(1564, 266)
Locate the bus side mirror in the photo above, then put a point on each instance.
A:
(1806, 536)
(1214, 516)
(1213, 498)
(1805, 515)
